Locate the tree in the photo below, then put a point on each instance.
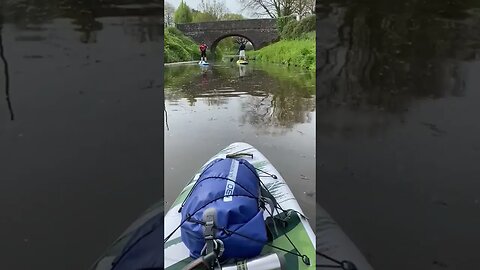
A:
(272, 8)
(216, 9)
(304, 7)
(203, 17)
(278, 8)
(183, 14)
(232, 16)
(169, 12)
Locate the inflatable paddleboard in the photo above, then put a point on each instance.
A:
(141, 246)
(203, 63)
(242, 62)
(297, 229)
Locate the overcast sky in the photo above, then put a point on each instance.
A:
(232, 5)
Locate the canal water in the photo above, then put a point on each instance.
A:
(80, 159)
(268, 106)
(398, 135)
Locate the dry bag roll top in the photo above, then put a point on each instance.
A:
(232, 188)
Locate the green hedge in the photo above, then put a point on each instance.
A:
(298, 29)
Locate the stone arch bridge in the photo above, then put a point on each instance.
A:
(260, 32)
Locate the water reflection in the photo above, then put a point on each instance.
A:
(40, 22)
(25, 14)
(88, 26)
(381, 57)
(279, 98)
(145, 29)
(397, 91)
(242, 70)
(78, 108)
(6, 78)
(86, 15)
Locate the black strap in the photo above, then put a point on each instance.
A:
(344, 265)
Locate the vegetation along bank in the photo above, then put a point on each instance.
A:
(296, 47)
(178, 47)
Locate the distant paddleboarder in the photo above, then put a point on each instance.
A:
(241, 51)
(203, 52)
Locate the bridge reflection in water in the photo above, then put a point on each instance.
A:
(281, 98)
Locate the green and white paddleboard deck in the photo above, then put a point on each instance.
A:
(298, 229)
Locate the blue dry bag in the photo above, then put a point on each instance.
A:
(232, 188)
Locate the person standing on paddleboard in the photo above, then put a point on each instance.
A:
(241, 51)
(203, 52)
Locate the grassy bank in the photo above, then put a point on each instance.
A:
(296, 47)
(178, 47)
(297, 52)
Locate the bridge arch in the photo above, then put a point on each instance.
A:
(215, 42)
(260, 32)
